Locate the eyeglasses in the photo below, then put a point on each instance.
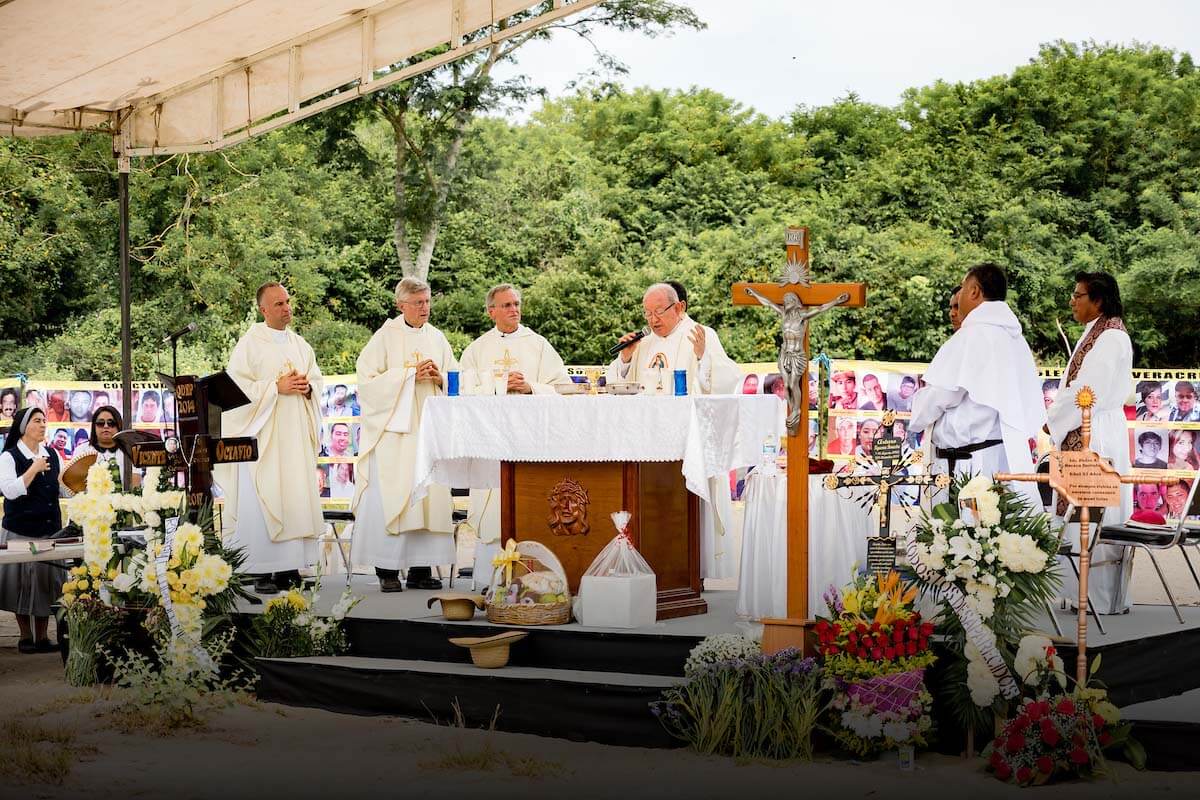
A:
(417, 303)
(658, 314)
(1078, 295)
(106, 423)
(508, 306)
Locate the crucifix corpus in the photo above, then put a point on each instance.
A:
(797, 300)
(886, 453)
(1087, 481)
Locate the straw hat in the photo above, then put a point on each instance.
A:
(490, 652)
(74, 475)
(457, 605)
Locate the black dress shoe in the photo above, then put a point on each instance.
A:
(429, 583)
(391, 585)
(26, 646)
(46, 646)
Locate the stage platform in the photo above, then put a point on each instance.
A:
(595, 684)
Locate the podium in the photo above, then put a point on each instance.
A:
(198, 446)
(566, 506)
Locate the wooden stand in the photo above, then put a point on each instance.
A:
(665, 526)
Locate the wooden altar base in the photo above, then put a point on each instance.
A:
(593, 684)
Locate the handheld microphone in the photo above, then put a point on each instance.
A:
(184, 331)
(619, 346)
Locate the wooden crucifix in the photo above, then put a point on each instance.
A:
(796, 299)
(1087, 481)
(886, 453)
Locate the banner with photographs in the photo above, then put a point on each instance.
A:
(10, 401)
(859, 393)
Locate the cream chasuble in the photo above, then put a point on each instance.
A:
(487, 357)
(288, 431)
(715, 373)
(391, 533)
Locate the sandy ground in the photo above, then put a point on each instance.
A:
(265, 750)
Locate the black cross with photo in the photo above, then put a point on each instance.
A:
(887, 452)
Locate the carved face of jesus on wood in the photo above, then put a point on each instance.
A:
(568, 509)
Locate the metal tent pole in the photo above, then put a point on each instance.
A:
(126, 348)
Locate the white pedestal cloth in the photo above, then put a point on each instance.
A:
(838, 528)
(463, 440)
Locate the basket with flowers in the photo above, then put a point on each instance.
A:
(876, 649)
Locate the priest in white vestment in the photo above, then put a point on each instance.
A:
(272, 506)
(508, 359)
(982, 397)
(676, 341)
(1103, 360)
(403, 364)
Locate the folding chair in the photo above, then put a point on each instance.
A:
(1151, 539)
(337, 520)
(1191, 529)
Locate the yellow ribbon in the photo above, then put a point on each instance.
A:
(507, 558)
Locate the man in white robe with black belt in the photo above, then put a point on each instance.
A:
(676, 341)
(1102, 360)
(982, 397)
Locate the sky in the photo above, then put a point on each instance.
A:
(773, 55)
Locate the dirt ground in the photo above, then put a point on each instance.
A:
(60, 742)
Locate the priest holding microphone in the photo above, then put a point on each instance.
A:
(674, 341)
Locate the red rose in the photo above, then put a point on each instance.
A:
(1020, 723)
(889, 653)
(898, 635)
(861, 628)
(914, 632)
(876, 653)
(926, 630)
(1050, 734)
(1065, 706)
(1024, 774)
(1078, 756)
(831, 650)
(912, 648)
(1097, 721)
(1050, 651)
(997, 759)
(1105, 738)
(1003, 772)
(874, 627)
(1015, 742)
(853, 637)
(1045, 765)
(1034, 710)
(822, 626)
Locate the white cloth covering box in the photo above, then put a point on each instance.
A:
(618, 601)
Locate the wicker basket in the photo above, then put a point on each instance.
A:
(535, 556)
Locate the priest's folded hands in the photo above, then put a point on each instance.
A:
(293, 383)
(517, 384)
(427, 371)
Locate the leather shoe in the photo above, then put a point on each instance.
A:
(428, 583)
(26, 646)
(265, 586)
(46, 646)
(391, 585)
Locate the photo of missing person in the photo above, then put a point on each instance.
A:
(872, 397)
(814, 392)
(1149, 448)
(1152, 402)
(34, 398)
(773, 384)
(1148, 497)
(1182, 453)
(341, 480)
(1049, 391)
(323, 479)
(56, 406)
(903, 387)
(340, 400)
(1183, 402)
(147, 406)
(80, 405)
(750, 384)
(10, 400)
(339, 440)
(843, 391)
(61, 441)
(843, 437)
(1175, 495)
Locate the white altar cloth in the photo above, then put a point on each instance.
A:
(838, 527)
(462, 440)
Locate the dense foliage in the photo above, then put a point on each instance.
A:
(1088, 157)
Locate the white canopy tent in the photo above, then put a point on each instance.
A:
(174, 76)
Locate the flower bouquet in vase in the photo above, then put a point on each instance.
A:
(876, 650)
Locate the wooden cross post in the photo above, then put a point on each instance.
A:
(1086, 481)
(887, 453)
(797, 282)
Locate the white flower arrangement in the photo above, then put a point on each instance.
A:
(982, 683)
(1031, 654)
(718, 648)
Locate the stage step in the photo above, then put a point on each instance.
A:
(550, 647)
(598, 706)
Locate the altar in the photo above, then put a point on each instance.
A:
(563, 464)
